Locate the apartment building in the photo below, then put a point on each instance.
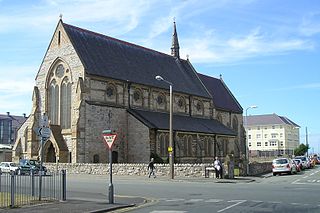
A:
(271, 135)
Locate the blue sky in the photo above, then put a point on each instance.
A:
(268, 51)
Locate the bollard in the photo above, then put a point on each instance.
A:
(64, 185)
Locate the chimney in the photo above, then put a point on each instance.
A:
(24, 115)
(8, 113)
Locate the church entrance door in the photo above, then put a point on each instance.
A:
(50, 153)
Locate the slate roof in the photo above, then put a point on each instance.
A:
(159, 120)
(109, 57)
(17, 121)
(221, 95)
(269, 119)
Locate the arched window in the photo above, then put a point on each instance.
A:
(219, 118)
(59, 96)
(137, 97)
(111, 93)
(235, 124)
(54, 102)
(189, 146)
(162, 145)
(65, 117)
(96, 158)
(200, 107)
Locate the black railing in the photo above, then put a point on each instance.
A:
(18, 190)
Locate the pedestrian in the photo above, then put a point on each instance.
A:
(151, 168)
(218, 167)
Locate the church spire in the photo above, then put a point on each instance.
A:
(175, 43)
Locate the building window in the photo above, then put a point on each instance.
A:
(160, 100)
(273, 143)
(207, 147)
(189, 146)
(163, 145)
(65, 117)
(258, 127)
(110, 92)
(181, 103)
(258, 143)
(274, 135)
(60, 71)
(96, 158)
(53, 102)
(265, 135)
(281, 143)
(235, 124)
(273, 127)
(137, 96)
(249, 136)
(258, 135)
(199, 106)
(266, 143)
(281, 135)
(249, 144)
(59, 96)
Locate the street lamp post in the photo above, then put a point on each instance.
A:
(246, 126)
(170, 148)
(307, 142)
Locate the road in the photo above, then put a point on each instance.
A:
(285, 193)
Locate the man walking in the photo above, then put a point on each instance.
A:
(151, 168)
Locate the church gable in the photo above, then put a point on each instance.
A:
(60, 37)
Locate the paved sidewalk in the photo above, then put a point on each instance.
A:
(80, 206)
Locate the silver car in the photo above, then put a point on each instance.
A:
(9, 167)
(283, 165)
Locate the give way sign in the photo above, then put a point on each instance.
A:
(109, 139)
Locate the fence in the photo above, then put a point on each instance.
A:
(17, 190)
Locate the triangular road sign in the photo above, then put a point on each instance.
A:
(109, 139)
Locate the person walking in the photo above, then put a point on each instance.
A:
(151, 168)
(218, 167)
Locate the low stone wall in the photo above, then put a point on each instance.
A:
(256, 168)
(180, 170)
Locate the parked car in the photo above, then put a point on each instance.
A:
(305, 161)
(26, 166)
(299, 164)
(283, 165)
(9, 167)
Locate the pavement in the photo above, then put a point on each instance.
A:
(120, 202)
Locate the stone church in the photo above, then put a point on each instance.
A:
(88, 82)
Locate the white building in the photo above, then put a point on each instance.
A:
(271, 135)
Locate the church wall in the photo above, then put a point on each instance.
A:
(138, 141)
(99, 118)
(64, 52)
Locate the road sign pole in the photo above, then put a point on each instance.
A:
(40, 175)
(111, 194)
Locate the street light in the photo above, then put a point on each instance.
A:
(170, 148)
(246, 126)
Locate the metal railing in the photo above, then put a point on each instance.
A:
(18, 190)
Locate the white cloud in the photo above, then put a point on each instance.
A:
(16, 86)
(213, 48)
(311, 24)
(113, 13)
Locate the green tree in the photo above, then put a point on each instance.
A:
(301, 150)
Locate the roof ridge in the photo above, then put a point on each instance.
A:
(115, 39)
